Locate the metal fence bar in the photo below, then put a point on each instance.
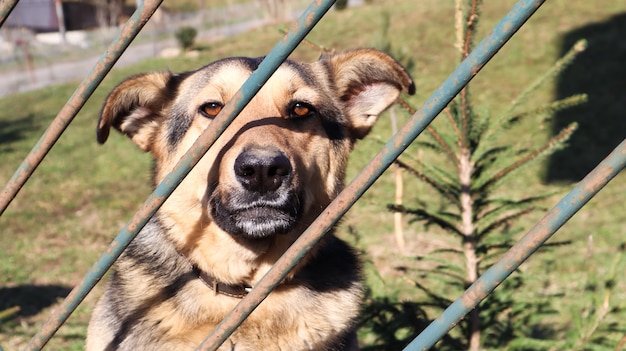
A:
(58, 126)
(488, 47)
(514, 257)
(77, 100)
(279, 53)
(6, 6)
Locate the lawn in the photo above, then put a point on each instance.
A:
(83, 193)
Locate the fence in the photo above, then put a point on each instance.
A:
(487, 48)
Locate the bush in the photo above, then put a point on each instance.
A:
(186, 37)
(341, 4)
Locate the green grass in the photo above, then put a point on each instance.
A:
(83, 193)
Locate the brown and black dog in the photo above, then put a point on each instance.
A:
(268, 176)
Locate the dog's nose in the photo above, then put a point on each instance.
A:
(262, 170)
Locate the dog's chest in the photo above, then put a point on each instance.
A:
(289, 320)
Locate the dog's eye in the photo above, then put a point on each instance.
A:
(211, 109)
(301, 110)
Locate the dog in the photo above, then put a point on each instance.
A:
(266, 178)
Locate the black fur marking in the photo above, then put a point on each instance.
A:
(304, 72)
(334, 130)
(179, 123)
(332, 268)
(163, 265)
(252, 63)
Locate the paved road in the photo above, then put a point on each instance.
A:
(60, 72)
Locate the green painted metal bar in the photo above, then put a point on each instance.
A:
(531, 242)
(128, 32)
(279, 53)
(6, 6)
(76, 101)
(514, 19)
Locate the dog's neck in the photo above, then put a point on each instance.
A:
(238, 291)
(232, 290)
(232, 263)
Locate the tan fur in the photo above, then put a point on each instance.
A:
(160, 113)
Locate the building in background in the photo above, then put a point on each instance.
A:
(58, 16)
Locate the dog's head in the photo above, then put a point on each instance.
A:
(283, 158)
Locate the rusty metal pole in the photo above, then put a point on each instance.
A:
(59, 124)
(76, 102)
(5, 9)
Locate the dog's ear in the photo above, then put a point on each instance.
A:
(134, 108)
(368, 82)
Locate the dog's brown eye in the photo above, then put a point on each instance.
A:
(301, 109)
(211, 109)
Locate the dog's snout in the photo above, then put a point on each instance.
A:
(262, 171)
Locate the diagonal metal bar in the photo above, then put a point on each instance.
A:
(123, 39)
(77, 100)
(6, 7)
(514, 257)
(279, 53)
(488, 47)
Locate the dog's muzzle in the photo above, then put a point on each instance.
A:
(264, 202)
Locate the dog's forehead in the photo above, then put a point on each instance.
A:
(231, 70)
(224, 77)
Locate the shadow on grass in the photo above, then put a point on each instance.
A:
(600, 72)
(392, 324)
(29, 300)
(14, 130)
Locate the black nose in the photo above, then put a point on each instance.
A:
(262, 170)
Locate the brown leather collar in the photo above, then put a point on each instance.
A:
(238, 291)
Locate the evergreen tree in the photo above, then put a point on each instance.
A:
(476, 207)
